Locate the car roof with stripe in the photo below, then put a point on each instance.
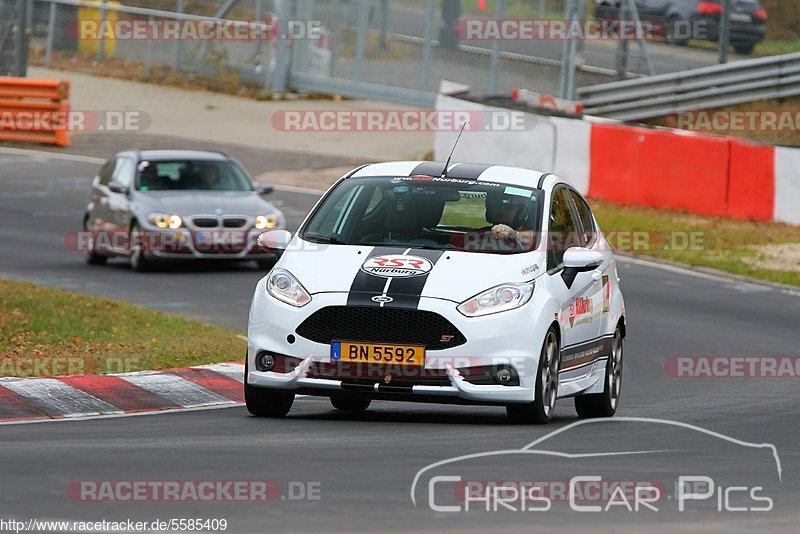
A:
(470, 171)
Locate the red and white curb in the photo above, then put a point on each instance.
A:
(79, 396)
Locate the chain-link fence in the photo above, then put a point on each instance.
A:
(14, 20)
(395, 50)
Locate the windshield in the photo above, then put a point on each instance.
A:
(425, 212)
(191, 175)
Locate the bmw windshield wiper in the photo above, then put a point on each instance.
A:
(332, 239)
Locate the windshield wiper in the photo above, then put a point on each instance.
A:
(332, 239)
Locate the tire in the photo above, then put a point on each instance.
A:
(669, 32)
(546, 389)
(139, 260)
(350, 405)
(744, 49)
(91, 256)
(605, 404)
(263, 402)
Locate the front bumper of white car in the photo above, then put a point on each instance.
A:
(511, 339)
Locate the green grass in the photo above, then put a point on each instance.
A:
(729, 245)
(66, 333)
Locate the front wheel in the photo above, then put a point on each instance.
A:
(605, 404)
(546, 389)
(266, 402)
(139, 260)
(91, 255)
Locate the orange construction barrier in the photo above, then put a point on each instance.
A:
(34, 111)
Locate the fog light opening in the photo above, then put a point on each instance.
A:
(504, 376)
(264, 361)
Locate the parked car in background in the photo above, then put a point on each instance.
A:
(177, 204)
(680, 20)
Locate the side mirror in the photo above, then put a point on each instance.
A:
(116, 187)
(582, 259)
(264, 188)
(274, 240)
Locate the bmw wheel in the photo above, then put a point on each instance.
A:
(91, 255)
(546, 389)
(605, 404)
(139, 261)
(266, 402)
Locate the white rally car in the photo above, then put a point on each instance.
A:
(483, 285)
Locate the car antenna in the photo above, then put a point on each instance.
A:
(447, 163)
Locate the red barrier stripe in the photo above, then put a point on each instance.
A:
(659, 168)
(214, 381)
(751, 188)
(14, 408)
(119, 393)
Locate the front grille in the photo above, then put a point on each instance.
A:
(205, 222)
(234, 222)
(381, 325)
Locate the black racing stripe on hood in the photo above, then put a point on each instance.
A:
(365, 286)
(428, 168)
(406, 292)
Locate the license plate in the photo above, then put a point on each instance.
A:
(740, 17)
(389, 354)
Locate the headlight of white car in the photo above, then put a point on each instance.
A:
(285, 287)
(164, 220)
(266, 222)
(497, 299)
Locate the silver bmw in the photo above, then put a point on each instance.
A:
(176, 204)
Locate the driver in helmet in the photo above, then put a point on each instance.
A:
(508, 215)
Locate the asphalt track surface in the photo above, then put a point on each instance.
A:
(365, 464)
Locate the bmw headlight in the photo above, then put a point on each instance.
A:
(497, 299)
(165, 220)
(266, 222)
(285, 287)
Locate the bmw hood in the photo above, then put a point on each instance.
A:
(403, 274)
(200, 202)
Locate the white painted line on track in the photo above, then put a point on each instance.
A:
(721, 278)
(228, 404)
(49, 155)
(100, 161)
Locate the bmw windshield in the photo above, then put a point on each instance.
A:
(191, 175)
(425, 212)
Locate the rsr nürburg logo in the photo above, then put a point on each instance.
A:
(397, 266)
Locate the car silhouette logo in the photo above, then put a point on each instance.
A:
(383, 299)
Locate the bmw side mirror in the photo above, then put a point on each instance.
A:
(117, 187)
(274, 240)
(264, 188)
(582, 259)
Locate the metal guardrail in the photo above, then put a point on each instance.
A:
(703, 88)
